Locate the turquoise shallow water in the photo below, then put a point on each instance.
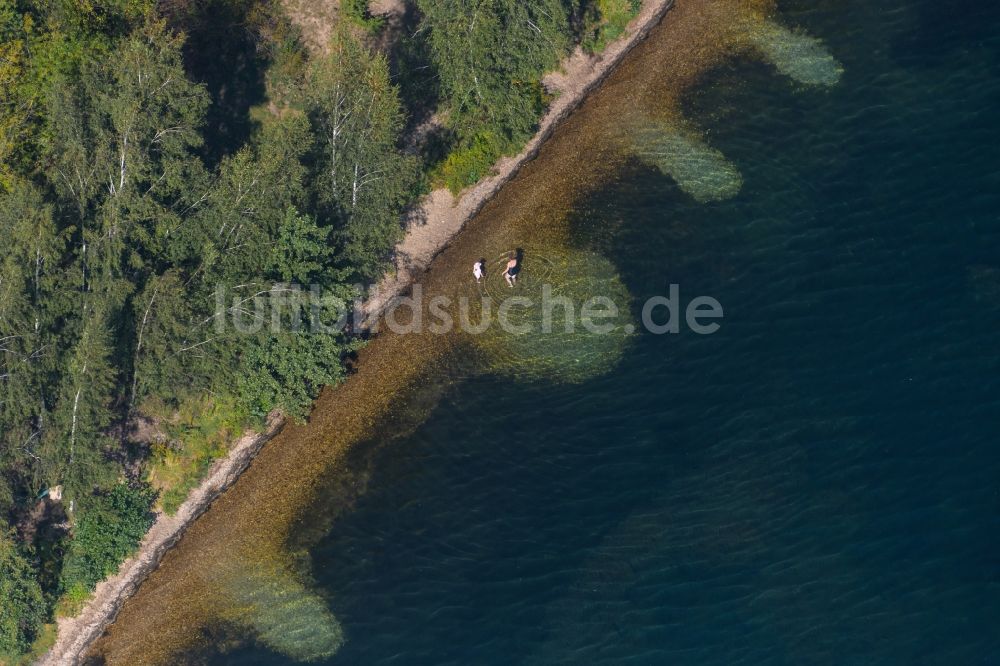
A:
(815, 483)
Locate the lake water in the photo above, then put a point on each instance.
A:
(817, 482)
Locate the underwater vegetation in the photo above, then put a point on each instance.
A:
(274, 602)
(797, 55)
(671, 143)
(575, 320)
(679, 151)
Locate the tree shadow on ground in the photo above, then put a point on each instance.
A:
(224, 51)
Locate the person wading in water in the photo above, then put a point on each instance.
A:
(513, 268)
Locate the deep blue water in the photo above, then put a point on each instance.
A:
(816, 483)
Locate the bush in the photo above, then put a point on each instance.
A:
(357, 11)
(199, 431)
(466, 164)
(605, 22)
(22, 607)
(489, 59)
(108, 530)
(287, 370)
(73, 600)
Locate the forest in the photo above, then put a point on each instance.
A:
(167, 165)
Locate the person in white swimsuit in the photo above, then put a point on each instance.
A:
(477, 269)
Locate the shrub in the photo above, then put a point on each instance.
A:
(73, 600)
(109, 528)
(199, 431)
(605, 22)
(466, 164)
(357, 11)
(22, 607)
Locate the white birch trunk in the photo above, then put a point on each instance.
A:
(76, 405)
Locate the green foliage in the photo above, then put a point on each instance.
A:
(289, 370)
(163, 314)
(464, 166)
(73, 599)
(109, 529)
(118, 238)
(105, 17)
(490, 57)
(121, 140)
(73, 447)
(357, 12)
(23, 610)
(605, 21)
(44, 641)
(363, 180)
(197, 432)
(40, 42)
(303, 248)
(14, 105)
(29, 355)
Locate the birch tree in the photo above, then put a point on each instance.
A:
(121, 148)
(73, 446)
(121, 141)
(29, 341)
(363, 179)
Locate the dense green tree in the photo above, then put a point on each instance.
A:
(246, 244)
(105, 18)
(288, 370)
(363, 181)
(23, 609)
(41, 41)
(30, 352)
(15, 109)
(119, 239)
(302, 250)
(165, 316)
(490, 56)
(72, 446)
(120, 139)
(121, 146)
(107, 532)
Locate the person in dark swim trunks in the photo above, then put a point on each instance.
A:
(513, 268)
